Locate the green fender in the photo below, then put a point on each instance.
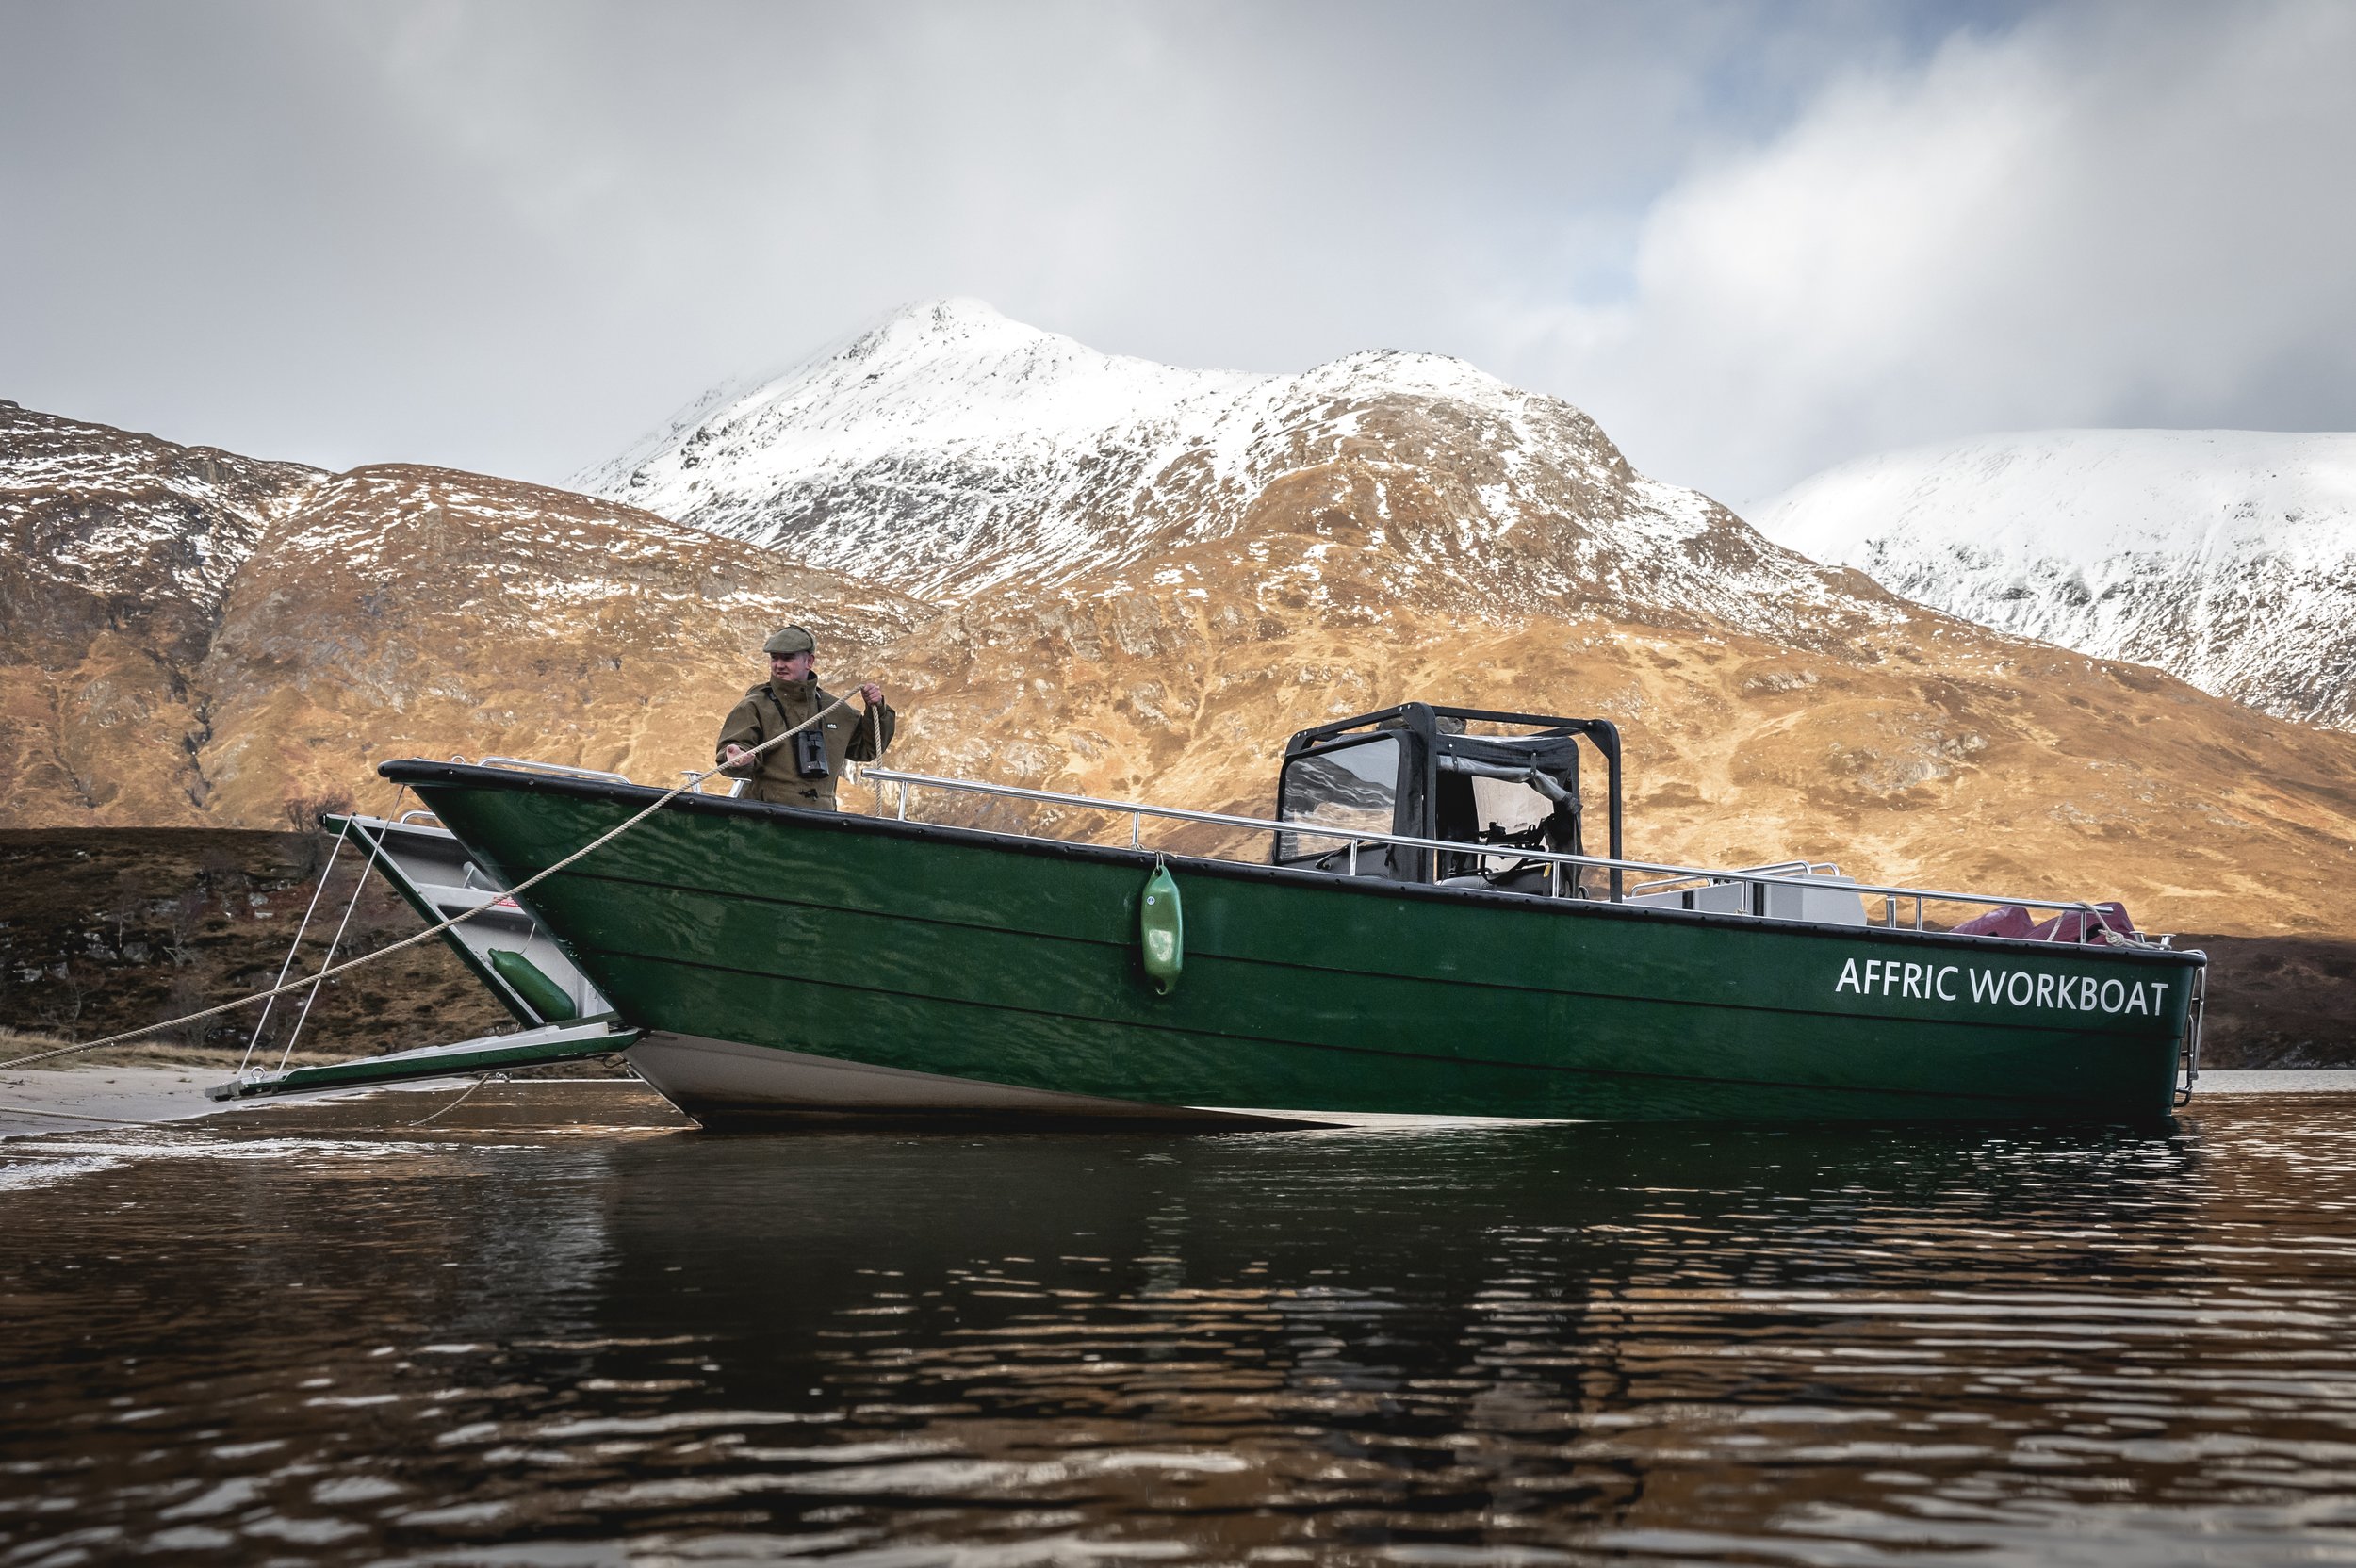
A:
(1162, 931)
(542, 994)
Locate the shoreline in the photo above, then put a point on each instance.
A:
(2277, 1080)
(87, 1099)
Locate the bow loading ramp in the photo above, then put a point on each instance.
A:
(564, 1016)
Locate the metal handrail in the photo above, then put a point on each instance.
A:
(1137, 810)
(530, 765)
(1805, 868)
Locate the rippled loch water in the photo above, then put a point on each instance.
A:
(548, 1329)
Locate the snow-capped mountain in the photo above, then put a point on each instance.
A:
(2227, 558)
(1149, 577)
(951, 450)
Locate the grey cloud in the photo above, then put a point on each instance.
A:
(512, 236)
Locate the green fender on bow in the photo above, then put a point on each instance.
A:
(1162, 930)
(544, 995)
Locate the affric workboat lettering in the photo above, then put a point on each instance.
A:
(2014, 988)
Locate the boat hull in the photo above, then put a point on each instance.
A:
(733, 1084)
(790, 965)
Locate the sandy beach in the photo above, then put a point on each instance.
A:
(36, 1101)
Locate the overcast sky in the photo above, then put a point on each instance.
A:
(1752, 240)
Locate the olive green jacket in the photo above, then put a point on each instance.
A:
(774, 707)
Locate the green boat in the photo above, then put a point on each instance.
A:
(1418, 933)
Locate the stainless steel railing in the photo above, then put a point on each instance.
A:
(1136, 811)
(527, 764)
(1803, 868)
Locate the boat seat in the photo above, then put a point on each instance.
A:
(1529, 881)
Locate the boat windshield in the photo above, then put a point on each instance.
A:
(1508, 812)
(1351, 788)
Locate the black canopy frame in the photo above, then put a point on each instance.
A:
(1435, 733)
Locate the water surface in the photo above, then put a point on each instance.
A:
(551, 1328)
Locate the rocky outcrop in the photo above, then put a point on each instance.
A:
(116, 549)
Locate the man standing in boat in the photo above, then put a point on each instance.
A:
(802, 771)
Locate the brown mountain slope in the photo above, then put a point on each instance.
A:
(190, 637)
(1925, 750)
(115, 550)
(405, 610)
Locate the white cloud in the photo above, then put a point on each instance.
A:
(1751, 241)
(2127, 216)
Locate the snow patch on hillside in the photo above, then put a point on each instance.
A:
(115, 514)
(2226, 557)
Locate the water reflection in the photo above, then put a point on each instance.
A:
(516, 1340)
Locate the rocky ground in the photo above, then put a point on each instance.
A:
(107, 929)
(2280, 1002)
(103, 930)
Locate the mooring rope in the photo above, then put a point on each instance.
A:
(460, 919)
(460, 1100)
(333, 943)
(293, 947)
(360, 885)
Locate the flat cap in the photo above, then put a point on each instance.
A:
(790, 639)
